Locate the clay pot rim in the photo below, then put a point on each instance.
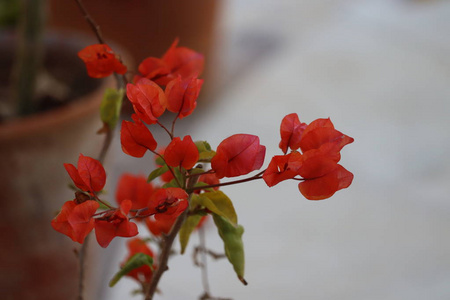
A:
(21, 127)
(76, 109)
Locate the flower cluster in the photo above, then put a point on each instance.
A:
(176, 197)
(317, 163)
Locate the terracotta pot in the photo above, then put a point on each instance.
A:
(147, 27)
(36, 261)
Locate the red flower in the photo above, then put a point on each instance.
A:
(282, 167)
(322, 175)
(90, 175)
(153, 68)
(75, 220)
(238, 155)
(321, 131)
(209, 179)
(177, 61)
(115, 223)
(101, 61)
(166, 205)
(181, 153)
(158, 227)
(135, 138)
(134, 188)
(148, 99)
(144, 273)
(291, 130)
(182, 95)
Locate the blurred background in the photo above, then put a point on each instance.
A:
(380, 69)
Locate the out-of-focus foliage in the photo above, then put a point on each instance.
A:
(9, 13)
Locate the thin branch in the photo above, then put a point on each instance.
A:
(170, 168)
(106, 145)
(165, 129)
(199, 174)
(121, 79)
(167, 249)
(94, 26)
(175, 120)
(103, 202)
(81, 258)
(164, 256)
(257, 176)
(204, 266)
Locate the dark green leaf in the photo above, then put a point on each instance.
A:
(159, 161)
(157, 172)
(205, 151)
(136, 261)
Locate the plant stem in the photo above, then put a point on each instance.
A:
(106, 144)
(165, 129)
(121, 79)
(164, 256)
(257, 176)
(204, 266)
(29, 55)
(167, 247)
(81, 257)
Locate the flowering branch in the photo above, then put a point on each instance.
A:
(186, 193)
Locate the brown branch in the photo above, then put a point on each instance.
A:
(204, 267)
(167, 248)
(106, 145)
(164, 256)
(121, 79)
(81, 257)
(257, 176)
(165, 129)
(94, 26)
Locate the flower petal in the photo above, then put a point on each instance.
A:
(325, 186)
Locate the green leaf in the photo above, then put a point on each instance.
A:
(186, 230)
(159, 161)
(205, 151)
(234, 247)
(111, 106)
(103, 206)
(206, 156)
(202, 146)
(157, 172)
(196, 170)
(218, 203)
(136, 261)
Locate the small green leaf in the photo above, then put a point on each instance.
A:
(172, 183)
(234, 247)
(206, 156)
(111, 106)
(186, 230)
(136, 261)
(202, 146)
(159, 161)
(218, 203)
(205, 151)
(103, 206)
(195, 171)
(157, 172)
